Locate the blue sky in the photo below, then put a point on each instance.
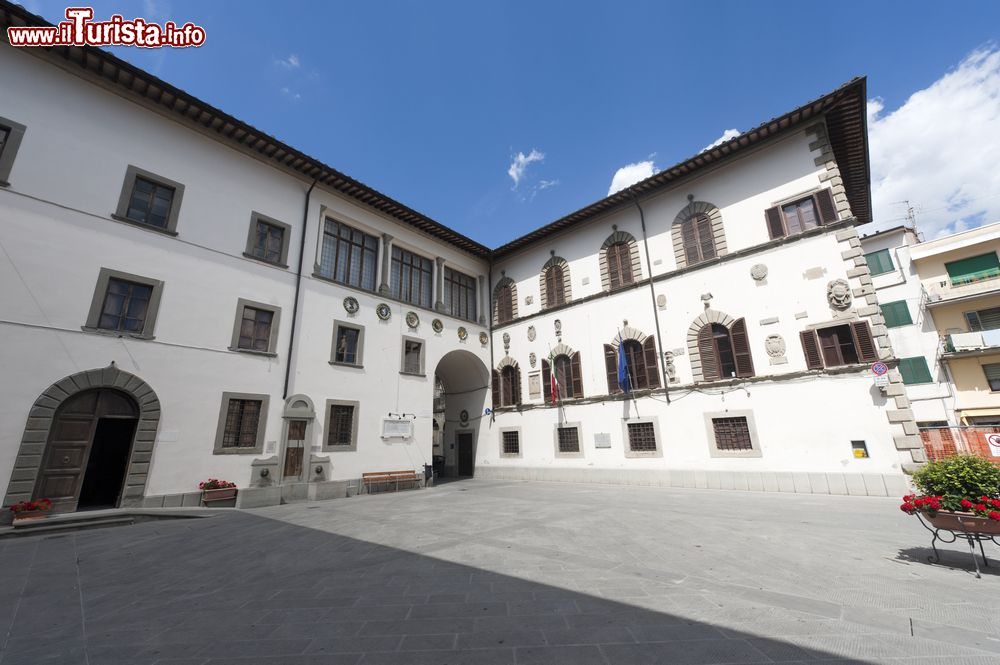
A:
(432, 102)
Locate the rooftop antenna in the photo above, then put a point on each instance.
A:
(911, 217)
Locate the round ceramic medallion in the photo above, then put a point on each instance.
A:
(463, 333)
(483, 338)
(758, 271)
(437, 325)
(464, 416)
(383, 311)
(412, 319)
(351, 305)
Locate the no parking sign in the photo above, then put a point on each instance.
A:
(993, 441)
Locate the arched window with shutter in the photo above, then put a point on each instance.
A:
(698, 234)
(504, 301)
(642, 363)
(568, 374)
(554, 283)
(719, 348)
(506, 383)
(619, 259)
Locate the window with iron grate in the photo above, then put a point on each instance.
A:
(511, 442)
(569, 439)
(732, 434)
(641, 437)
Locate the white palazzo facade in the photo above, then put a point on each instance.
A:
(186, 297)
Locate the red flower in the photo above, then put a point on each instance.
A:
(908, 498)
(907, 507)
(980, 506)
(966, 504)
(994, 515)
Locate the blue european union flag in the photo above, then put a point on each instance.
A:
(624, 380)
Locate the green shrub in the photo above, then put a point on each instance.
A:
(959, 477)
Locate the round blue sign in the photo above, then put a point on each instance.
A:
(879, 369)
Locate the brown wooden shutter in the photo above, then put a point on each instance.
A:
(825, 205)
(775, 227)
(577, 375)
(611, 257)
(810, 346)
(496, 389)
(625, 261)
(706, 237)
(505, 308)
(741, 348)
(706, 350)
(546, 381)
(689, 236)
(516, 387)
(611, 365)
(652, 362)
(864, 341)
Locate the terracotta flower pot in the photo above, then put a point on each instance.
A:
(29, 515)
(964, 522)
(225, 494)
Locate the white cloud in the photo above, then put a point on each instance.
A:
(940, 150)
(291, 62)
(630, 174)
(726, 135)
(520, 164)
(288, 92)
(546, 184)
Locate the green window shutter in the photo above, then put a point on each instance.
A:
(896, 314)
(915, 370)
(879, 262)
(973, 269)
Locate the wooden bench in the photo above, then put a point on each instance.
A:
(381, 481)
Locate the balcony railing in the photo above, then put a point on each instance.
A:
(953, 289)
(971, 341)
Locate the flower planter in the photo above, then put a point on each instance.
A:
(964, 522)
(29, 516)
(227, 494)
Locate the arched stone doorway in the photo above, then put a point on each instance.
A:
(88, 442)
(464, 386)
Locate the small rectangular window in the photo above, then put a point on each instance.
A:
(11, 134)
(4, 133)
(341, 427)
(242, 421)
(992, 372)
(150, 203)
(255, 329)
(125, 306)
(413, 357)
(973, 269)
(896, 314)
(837, 345)
(641, 437)
(268, 241)
(879, 262)
(569, 439)
(511, 442)
(732, 434)
(860, 449)
(800, 216)
(347, 345)
(915, 370)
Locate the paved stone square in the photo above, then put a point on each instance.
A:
(484, 572)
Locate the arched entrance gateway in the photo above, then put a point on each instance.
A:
(463, 383)
(87, 442)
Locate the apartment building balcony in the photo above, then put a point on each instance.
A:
(959, 345)
(967, 288)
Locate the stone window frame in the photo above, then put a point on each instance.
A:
(713, 450)
(15, 134)
(402, 355)
(555, 261)
(708, 317)
(718, 231)
(502, 283)
(627, 449)
(272, 342)
(613, 239)
(327, 448)
(104, 276)
(337, 324)
(255, 217)
(579, 438)
(520, 442)
(126, 195)
(227, 397)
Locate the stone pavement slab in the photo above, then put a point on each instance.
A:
(484, 572)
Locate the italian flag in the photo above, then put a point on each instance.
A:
(553, 384)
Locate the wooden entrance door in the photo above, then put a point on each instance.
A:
(71, 440)
(295, 448)
(466, 456)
